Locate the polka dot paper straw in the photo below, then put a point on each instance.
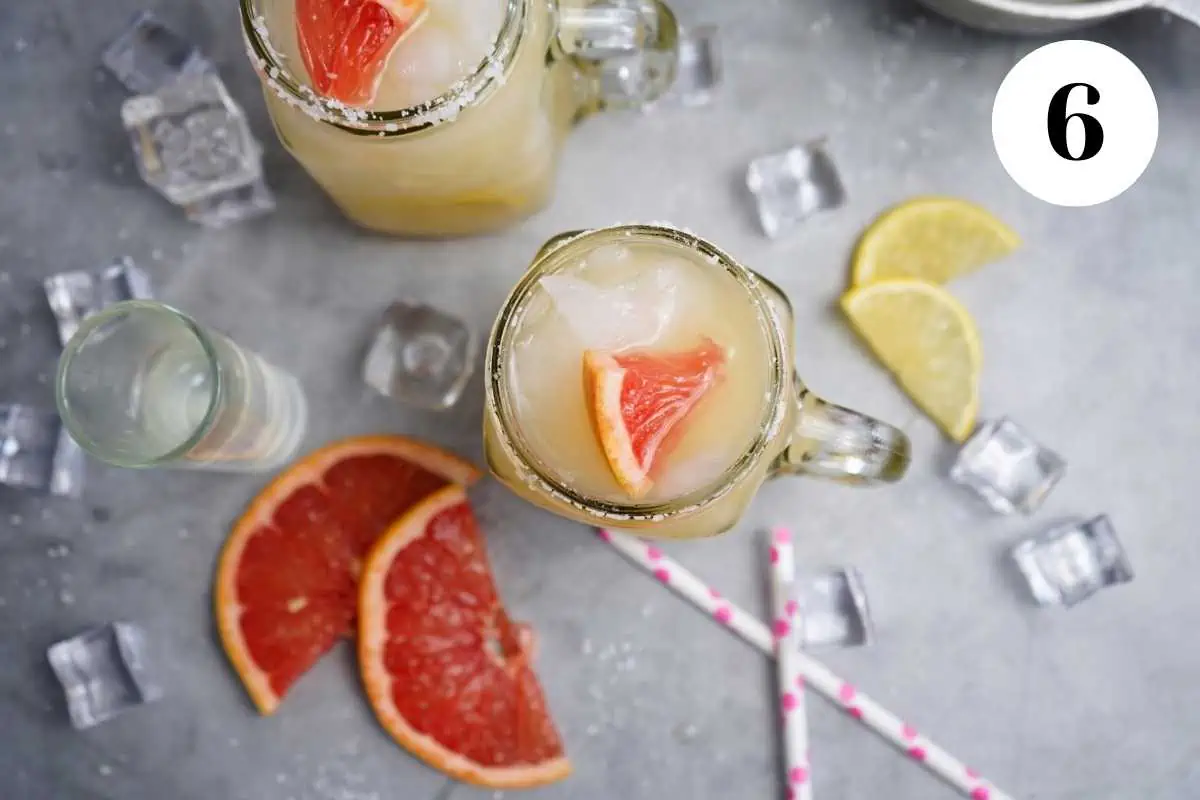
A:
(816, 675)
(786, 626)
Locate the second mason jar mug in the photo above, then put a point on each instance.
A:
(435, 154)
(638, 377)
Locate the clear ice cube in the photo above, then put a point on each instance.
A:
(697, 69)
(104, 673)
(232, 206)
(611, 318)
(1069, 563)
(420, 355)
(833, 609)
(75, 296)
(148, 56)
(792, 185)
(635, 313)
(1007, 467)
(191, 140)
(37, 453)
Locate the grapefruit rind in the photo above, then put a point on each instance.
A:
(604, 384)
(308, 470)
(372, 621)
(603, 379)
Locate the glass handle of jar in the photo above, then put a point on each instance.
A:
(626, 51)
(843, 445)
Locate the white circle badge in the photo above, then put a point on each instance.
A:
(1075, 123)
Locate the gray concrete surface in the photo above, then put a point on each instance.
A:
(1090, 337)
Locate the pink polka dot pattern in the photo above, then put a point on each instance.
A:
(774, 553)
(858, 706)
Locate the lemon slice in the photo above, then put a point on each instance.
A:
(929, 343)
(930, 238)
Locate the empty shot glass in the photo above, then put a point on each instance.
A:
(1007, 467)
(142, 384)
(104, 673)
(1069, 563)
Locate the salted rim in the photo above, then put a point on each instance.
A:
(528, 467)
(488, 76)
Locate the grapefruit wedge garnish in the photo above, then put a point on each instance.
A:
(287, 580)
(638, 398)
(447, 672)
(345, 44)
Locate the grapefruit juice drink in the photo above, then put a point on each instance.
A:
(640, 378)
(427, 117)
(628, 301)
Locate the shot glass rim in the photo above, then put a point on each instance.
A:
(71, 349)
(498, 405)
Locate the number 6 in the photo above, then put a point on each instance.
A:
(1057, 119)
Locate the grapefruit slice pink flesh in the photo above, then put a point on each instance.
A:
(639, 399)
(286, 587)
(345, 44)
(448, 673)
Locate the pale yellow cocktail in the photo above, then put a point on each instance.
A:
(464, 130)
(712, 341)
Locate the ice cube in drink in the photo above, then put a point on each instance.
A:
(444, 47)
(638, 297)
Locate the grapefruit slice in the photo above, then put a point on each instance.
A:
(287, 581)
(345, 44)
(447, 672)
(638, 398)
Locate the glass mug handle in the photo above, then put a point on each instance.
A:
(833, 442)
(626, 50)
